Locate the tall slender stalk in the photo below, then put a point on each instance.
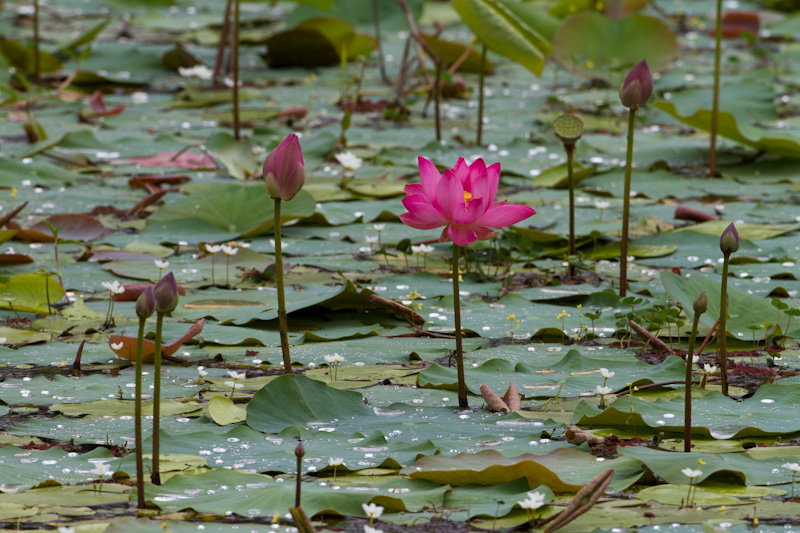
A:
(137, 416)
(37, 60)
(223, 37)
(462, 384)
(626, 209)
(155, 475)
(287, 358)
(414, 31)
(571, 178)
(480, 96)
(721, 330)
(569, 129)
(437, 95)
(235, 55)
(299, 452)
(376, 21)
(712, 155)
(687, 415)
(570, 157)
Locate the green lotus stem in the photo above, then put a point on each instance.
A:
(155, 475)
(223, 38)
(626, 209)
(47, 294)
(570, 150)
(37, 60)
(687, 414)
(721, 330)
(712, 155)
(287, 358)
(376, 22)
(299, 452)
(235, 54)
(479, 140)
(137, 418)
(462, 384)
(213, 276)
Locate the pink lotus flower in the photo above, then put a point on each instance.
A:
(284, 170)
(462, 200)
(635, 91)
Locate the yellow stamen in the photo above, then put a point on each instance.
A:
(467, 198)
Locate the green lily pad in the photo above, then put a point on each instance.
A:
(30, 293)
(224, 412)
(290, 400)
(597, 46)
(562, 470)
(744, 310)
(768, 412)
(224, 212)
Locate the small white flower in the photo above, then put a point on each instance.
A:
(161, 264)
(379, 227)
(229, 250)
(794, 467)
(691, 474)
(213, 248)
(602, 204)
(333, 359)
(139, 97)
(372, 510)
(198, 71)
(533, 501)
(283, 244)
(114, 286)
(117, 345)
(695, 359)
(349, 160)
(234, 384)
(237, 375)
(372, 240)
(421, 249)
(3, 340)
(335, 461)
(709, 369)
(100, 469)
(201, 371)
(370, 529)
(602, 391)
(257, 361)
(606, 374)
(65, 529)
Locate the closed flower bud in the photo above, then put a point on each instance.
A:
(300, 451)
(635, 91)
(166, 294)
(284, 170)
(729, 240)
(146, 303)
(701, 304)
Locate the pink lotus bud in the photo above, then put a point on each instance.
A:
(146, 303)
(729, 240)
(166, 294)
(284, 170)
(635, 91)
(701, 303)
